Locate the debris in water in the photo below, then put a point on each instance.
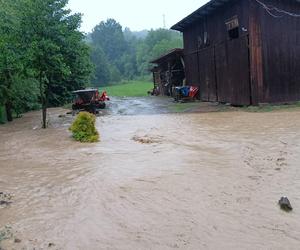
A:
(51, 245)
(285, 204)
(5, 199)
(5, 203)
(17, 240)
(145, 140)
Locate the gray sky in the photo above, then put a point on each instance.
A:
(135, 14)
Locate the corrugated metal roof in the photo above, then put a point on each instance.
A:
(203, 11)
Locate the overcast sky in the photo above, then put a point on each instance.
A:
(135, 14)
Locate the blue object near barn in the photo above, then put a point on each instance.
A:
(183, 91)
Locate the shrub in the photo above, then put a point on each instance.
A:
(83, 128)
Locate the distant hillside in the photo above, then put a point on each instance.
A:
(119, 54)
(140, 34)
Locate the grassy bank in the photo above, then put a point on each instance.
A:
(209, 107)
(129, 89)
(183, 107)
(272, 107)
(2, 115)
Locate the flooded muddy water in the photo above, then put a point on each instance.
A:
(155, 181)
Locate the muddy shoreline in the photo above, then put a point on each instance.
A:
(155, 181)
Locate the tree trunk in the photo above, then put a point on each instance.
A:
(8, 108)
(8, 103)
(45, 103)
(44, 99)
(44, 114)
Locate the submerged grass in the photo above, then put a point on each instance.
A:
(129, 89)
(178, 107)
(272, 107)
(198, 106)
(5, 233)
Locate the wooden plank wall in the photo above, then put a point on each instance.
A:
(191, 68)
(207, 74)
(280, 53)
(232, 69)
(202, 60)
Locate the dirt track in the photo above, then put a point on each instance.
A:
(168, 181)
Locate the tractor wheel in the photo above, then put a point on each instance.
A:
(102, 105)
(93, 109)
(74, 108)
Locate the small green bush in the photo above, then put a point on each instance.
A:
(83, 128)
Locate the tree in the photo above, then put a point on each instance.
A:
(155, 44)
(162, 47)
(101, 71)
(115, 75)
(76, 54)
(142, 58)
(10, 53)
(25, 95)
(109, 36)
(155, 36)
(125, 53)
(127, 64)
(58, 55)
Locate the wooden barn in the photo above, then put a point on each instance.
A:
(168, 72)
(244, 52)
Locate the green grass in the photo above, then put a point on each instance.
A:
(270, 107)
(67, 106)
(5, 234)
(182, 107)
(129, 89)
(2, 115)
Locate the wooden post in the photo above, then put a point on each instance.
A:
(256, 57)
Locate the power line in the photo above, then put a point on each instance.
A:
(280, 13)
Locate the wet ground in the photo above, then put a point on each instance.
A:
(155, 181)
(157, 105)
(138, 106)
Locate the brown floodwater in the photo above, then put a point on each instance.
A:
(155, 181)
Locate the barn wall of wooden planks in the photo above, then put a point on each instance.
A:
(240, 53)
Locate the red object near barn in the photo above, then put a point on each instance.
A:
(89, 100)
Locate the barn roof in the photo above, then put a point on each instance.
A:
(167, 55)
(203, 11)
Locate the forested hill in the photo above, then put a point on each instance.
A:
(120, 54)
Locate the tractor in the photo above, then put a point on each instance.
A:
(89, 100)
